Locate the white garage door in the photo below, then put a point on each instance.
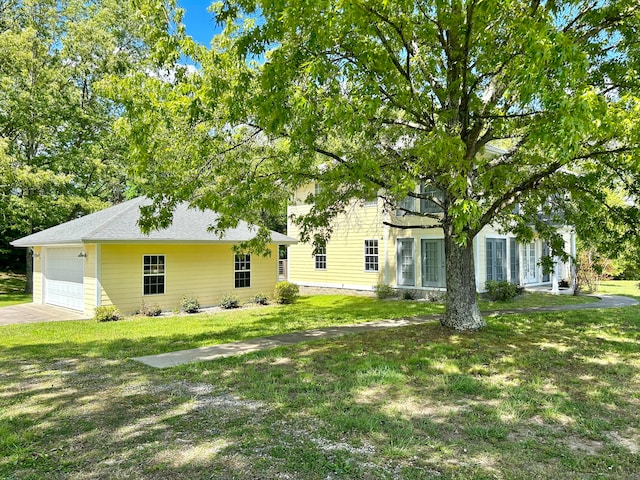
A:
(64, 274)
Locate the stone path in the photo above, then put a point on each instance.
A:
(213, 352)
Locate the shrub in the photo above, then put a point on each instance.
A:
(408, 294)
(435, 297)
(384, 291)
(107, 313)
(150, 310)
(286, 292)
(229, 301)
(500, 290)
(260, 299)
(189, 304)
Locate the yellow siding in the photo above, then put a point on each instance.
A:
(203, 271)
(345, 251)
(90, 279)
(37, 275)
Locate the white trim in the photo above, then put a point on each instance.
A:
(43, 277)
(98, 272)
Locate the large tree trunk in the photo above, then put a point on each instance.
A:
(462, 310)
(28, 288)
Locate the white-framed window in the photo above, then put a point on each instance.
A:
(153, 274)
(371, 255)
(496, 258)
(242, 270)
(430, 206)
(406, 206)
(405, 262)
(321, 258)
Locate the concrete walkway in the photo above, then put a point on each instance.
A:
(213, 352)
(35, 312)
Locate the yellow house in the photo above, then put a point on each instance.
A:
(364, 252)
(104, 259)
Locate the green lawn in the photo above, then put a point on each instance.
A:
(552, 395)
(12, 289)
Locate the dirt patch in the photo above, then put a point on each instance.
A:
(629, 439)
(583, 445)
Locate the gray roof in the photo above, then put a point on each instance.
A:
(119, 224)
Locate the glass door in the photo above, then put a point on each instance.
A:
(433, 263)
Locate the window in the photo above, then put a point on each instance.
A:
(433, 263)
(153, 275)
(406, 206)
(514, 261)
(530, 263)
(371, 255)
(317, 189)
(321, 258)
(405, 263)
(242, 270)
(429, 206)
(496, 256)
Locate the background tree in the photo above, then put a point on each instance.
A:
(374, 98)
(59, 157)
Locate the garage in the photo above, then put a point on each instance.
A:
(64, 276)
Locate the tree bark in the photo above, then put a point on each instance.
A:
(462, 311)
(28, 288)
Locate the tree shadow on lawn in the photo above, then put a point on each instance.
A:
(529, 397)
(12, 283)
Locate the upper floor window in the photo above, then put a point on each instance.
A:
(242, 270)
(406, 206)
(429, 206)
(153, 279)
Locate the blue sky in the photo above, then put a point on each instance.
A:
(199, 23)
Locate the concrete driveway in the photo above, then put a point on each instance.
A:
(34, 312)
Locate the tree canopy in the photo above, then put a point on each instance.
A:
(390, 95)
(59, 157)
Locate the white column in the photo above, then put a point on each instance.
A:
(554, 282)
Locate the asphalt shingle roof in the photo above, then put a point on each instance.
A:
(120, 224)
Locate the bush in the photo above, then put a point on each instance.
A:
(260, 299)
(108, 313)
(150, 310)
(286, 292)
(408, 294)
(501, 291)
(435, 296)
(189, 304)
(229, 301)
(384, 291)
